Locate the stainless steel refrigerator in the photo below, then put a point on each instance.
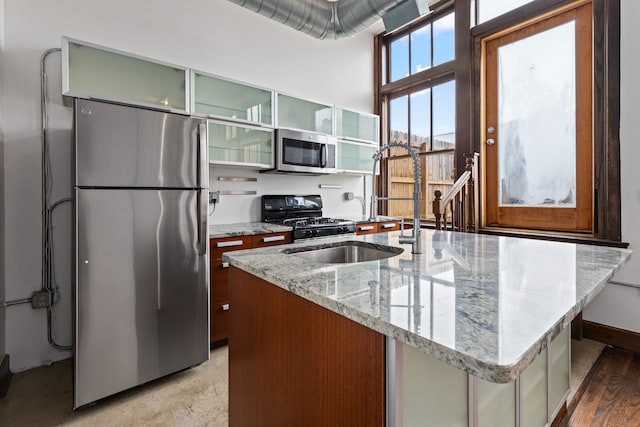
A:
(141, 247)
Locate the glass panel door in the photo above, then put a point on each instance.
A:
(538, 135)
(94, 72)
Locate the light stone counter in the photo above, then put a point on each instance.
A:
(245, 229)
(485, 304)
(359, 219)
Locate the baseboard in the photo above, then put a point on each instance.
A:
(562, 413)
(616, 337)
(5, 375)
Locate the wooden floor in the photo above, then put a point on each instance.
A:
(611, 393)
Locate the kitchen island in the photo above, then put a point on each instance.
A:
(473, 331)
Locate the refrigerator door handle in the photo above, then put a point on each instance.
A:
(203, 161)
(203, 207)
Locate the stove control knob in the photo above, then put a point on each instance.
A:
(307, 233)
(314, 232)
(345, 229)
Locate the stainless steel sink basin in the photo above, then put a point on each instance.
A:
(345, 252)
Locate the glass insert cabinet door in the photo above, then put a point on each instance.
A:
(357, 126)
(538, 140)
(218, 97)
(242, 145)
(297, 113)
(90, 71)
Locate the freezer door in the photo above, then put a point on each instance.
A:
(120, 146)
(142, 289)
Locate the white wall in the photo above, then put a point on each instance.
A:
(618, 305)
(2, 309)
(215, 36)
(246, 208)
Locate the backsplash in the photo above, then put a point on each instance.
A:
(246, 208)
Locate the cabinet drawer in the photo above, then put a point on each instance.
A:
(226, 244)
(273, 239)
(219, 321)
(368, 228)
(219, 279)
(384, 227)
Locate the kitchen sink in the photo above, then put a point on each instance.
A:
(345, 252)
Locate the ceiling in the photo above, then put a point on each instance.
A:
(336, 19)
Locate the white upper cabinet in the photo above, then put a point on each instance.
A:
(218, 97)
(355, 157)
(240, 145)
(243, 115)
(297, 113)
(357, 126)
(91, 71)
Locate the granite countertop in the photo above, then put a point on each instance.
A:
(245, 229)
(251, 228)
(485, 304)
(359, 219)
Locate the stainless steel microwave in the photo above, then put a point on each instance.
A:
(305, 152)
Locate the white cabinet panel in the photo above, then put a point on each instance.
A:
(429, 392)
(560, 360)
(496, 404)
(533, 383)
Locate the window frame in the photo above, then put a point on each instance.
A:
(425, 79)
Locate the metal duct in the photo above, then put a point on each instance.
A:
(326, 19)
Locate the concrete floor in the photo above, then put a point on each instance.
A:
(195, 397)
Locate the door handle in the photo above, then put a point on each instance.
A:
(203, 161)
(323, 155)
(229, 243)
(203, 214)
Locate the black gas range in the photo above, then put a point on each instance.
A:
(304, 214)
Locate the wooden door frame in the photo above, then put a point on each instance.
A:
(572, 219)
(606, 113)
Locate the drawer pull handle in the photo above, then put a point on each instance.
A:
(225, 265)
(272, 239)
(225, 307)
(229, 243)
(389, 225)
(366, 227)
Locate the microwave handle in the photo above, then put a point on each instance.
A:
(323, 155)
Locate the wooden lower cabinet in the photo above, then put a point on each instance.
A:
(366, 228)
(294, 363)
(377, 227)
(219, 276)
(388, 226)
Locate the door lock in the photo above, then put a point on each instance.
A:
(491, 141)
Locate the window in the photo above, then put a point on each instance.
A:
(419, 101)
